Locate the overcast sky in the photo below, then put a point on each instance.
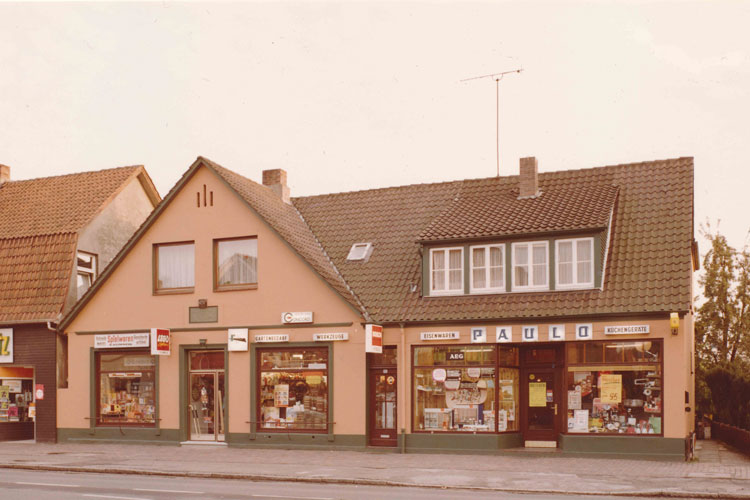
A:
(354, 96)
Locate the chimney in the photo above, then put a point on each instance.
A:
(4, 173)
(276, 180)
(528, 182)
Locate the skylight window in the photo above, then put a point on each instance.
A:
(360, 251)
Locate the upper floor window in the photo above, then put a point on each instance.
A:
(236, 262)
(174, 267)
(487, 268)
(446, 271)
(575, 263)
(530, 266)
(86, 271)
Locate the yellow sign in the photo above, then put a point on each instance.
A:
(537, 394)
(611, 389)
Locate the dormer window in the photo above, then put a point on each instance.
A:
(488, 269)
(446, 271)
(360, 251)
(575, 263)
(86, 271)
(530, 266)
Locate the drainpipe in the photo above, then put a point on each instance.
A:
(402, 388)
(49, 327)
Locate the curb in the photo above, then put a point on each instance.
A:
(374, 482)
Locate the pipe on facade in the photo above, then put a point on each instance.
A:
(402, 388)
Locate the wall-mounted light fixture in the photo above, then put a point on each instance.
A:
(203, 303)
(674, 322)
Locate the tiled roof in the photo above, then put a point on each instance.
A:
(491, 208)
(39, 224)
(60, 204)
(286, 220)
(648, 268)
(35, 276)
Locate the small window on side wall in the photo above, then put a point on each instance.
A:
(86, 268)
(174, 267)
(446, 271)
(236, 263)
(575, 263)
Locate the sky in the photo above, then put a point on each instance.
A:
(359, 95)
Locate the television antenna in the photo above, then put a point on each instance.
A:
(497, 77)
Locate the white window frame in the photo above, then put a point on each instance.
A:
(91, 272)
(446, 270)
(486, 289)
(530, 287)
(575, 285)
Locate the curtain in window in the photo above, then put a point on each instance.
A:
(540, 265)
(478, 268)
(565, 263)
(438, 270)
(521, 265)
(176, 266)
(496, 267)
(238, 262)
(584, 251)
(455, 274)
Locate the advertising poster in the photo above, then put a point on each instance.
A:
(506, 390)
(502, 421)
(611, 389)
(574, 400)
(281, 395)
(537, 394)
(580, 421)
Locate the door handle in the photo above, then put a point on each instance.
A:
(555, 408)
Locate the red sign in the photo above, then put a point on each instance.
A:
(374, 339)
(161, 341)
(39, 392)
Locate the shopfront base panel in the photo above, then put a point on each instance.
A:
(119, 435)
(16, 431)
(460, 443)
(299, 441)
(656, 448)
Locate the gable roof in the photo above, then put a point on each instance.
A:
(39, 224)
(649, 262)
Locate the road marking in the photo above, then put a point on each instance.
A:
(118, 498)
(50, 484)
(292, 498)
(170, 491)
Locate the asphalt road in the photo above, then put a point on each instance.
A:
(45, 485)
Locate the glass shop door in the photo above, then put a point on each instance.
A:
(206, 408)
(383, 385)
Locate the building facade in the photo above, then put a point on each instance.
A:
(540, 310)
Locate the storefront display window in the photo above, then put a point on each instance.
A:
(16, 394)
(293, 391)
(465, 388)
(126, 388)
(615, 387)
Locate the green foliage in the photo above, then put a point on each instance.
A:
(730, 392)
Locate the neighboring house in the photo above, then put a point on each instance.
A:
(56, 235)
(549, 310)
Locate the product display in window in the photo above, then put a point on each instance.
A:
(294, 389)
(16, 397)
(126, 389)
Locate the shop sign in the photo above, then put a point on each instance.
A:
(126, 375)
(439, 335)
(161, 341)
(237, 339)
(330, 337)
(627, 330)
(139, 361)
(297, 317)
(585, 331)
(478, 335)
(529, 333)
(281, 337)
(504, 334)
(113, 340)
(6, 345)
(39, 392)
(455, 356)
(556, 332)
(374, 339)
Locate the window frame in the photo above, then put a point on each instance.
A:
(446, 271)
(155, 270)
(93, 272)
(239, 286)
(530, 287)
(487, 252)
(97, 381)
(575, 285)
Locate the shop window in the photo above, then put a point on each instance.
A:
(174, 267)
(488, 269)
(446, 271)
(126, 389)
(465, 389)
(17, 394)
(530, 267)
(86, 269)
(236, 263)
(575, 263)
(615, 388)
(293, 392)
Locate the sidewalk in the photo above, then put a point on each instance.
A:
(719, 472)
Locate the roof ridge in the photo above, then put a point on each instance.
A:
(73, 174)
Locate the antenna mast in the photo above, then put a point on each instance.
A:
(497, 77)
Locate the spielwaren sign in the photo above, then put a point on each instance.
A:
(112, 340)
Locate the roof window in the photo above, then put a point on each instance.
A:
(360, 251)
